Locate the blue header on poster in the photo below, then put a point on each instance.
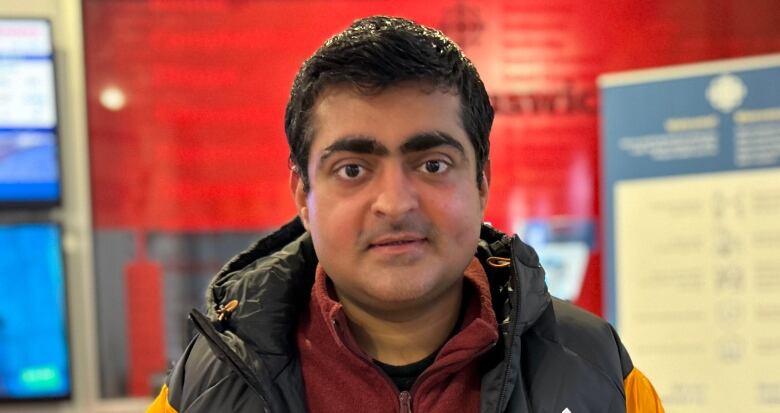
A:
(637, 144)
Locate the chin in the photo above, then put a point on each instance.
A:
(413, 291)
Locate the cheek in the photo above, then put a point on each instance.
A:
(459, 217)
(333, 222)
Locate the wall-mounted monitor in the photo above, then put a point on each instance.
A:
(29, 154)
(34, 350)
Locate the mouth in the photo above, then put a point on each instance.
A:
(397, 242)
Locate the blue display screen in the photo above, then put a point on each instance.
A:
(29, 156)
(34, 356)
(29, 170)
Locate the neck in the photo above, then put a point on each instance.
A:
(403, 337)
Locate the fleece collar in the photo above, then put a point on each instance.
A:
(479, 308)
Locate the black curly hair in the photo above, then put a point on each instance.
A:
(378, 52)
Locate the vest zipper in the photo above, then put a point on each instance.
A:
(219, 347)
(512, 331)
(405, 401)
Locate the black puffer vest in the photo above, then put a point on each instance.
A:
(553, 356)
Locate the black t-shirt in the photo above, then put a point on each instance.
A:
(405, 376)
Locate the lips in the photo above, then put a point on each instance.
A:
(396, 240)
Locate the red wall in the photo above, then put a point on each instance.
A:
(200, 143)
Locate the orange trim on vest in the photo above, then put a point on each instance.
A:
(640, 394)
(160, 404)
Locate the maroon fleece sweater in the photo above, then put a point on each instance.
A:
(339, 377)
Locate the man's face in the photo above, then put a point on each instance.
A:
(393, 209)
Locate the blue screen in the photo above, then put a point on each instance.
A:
(34, 360)
(29, 156)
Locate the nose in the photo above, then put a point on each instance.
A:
(396, 194)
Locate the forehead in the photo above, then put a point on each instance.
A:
(389, 116)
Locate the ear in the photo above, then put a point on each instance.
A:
(484, 185)
(299, 196)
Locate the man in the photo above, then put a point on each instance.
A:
(387, 293)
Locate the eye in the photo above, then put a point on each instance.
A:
(434, 166)
(350, 171)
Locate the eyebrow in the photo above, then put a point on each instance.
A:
(368, 145)
(424, 141)
(356, 144)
